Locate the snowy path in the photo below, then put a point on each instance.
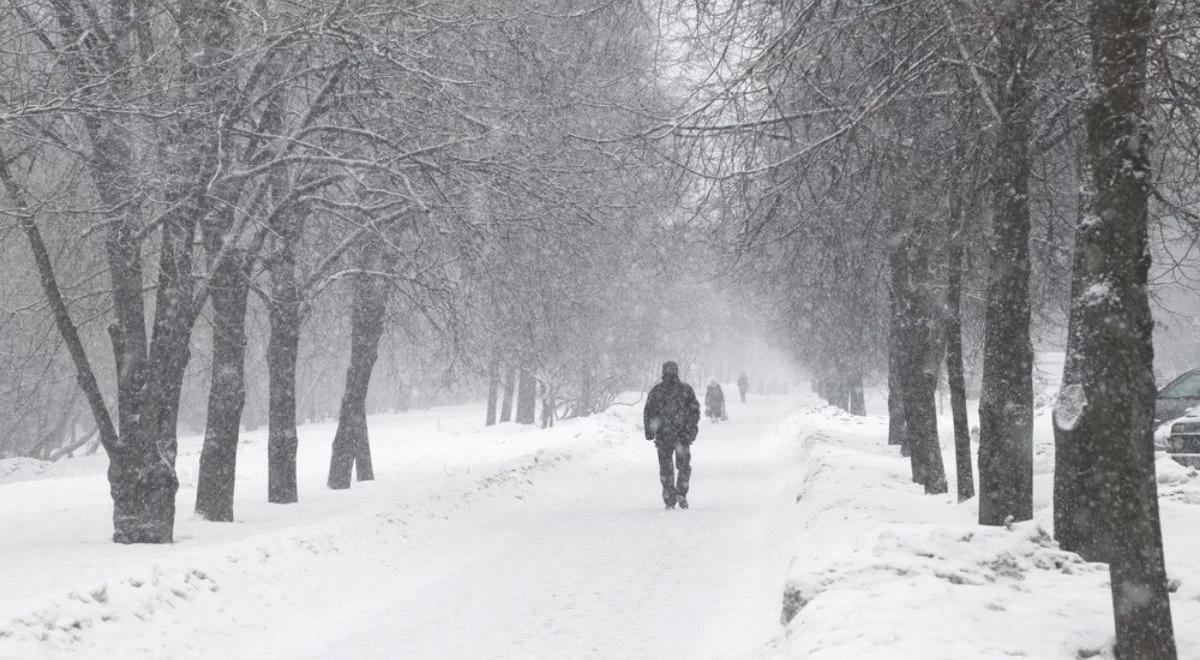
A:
(588, 565)
(510, 542)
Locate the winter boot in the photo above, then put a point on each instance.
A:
(681, 501)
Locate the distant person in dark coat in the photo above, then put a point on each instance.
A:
(714, 402)
(743, 386)
(672, 419)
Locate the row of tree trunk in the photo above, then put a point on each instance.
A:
(1105, 491)
(843, 389)
(518, 381)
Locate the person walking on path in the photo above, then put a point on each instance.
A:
(671, 420)
(714, 402)
(743, 386)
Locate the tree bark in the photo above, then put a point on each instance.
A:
(1116, 329)
(549, 404)
(283, 348)
(1006, 399)
(351, 443)
(227, 391)
(506, 403)
(897, 434)
(526, 397)
(1077, 515)
(493, 376)
(917, 353)
(965, 476)
(895, 403)
(583, 407)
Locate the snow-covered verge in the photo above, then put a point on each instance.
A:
(881, 570)
(68, 590)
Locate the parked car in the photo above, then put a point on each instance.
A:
(1179, 396)
(1183, 444)
(1174, 403)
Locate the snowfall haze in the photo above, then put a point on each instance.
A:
(591, 329)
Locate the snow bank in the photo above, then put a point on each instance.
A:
(21, 468)
(93, 598)
(881, 570)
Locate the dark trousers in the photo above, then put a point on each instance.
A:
(672, 457)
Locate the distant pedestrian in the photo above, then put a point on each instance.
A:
(714, 402)
(743, 386)
(671, 420)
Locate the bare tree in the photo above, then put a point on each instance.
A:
(1112, 399)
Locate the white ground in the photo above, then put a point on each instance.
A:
(516, 543)
(502, 543)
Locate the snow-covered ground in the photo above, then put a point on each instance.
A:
(518, 543)
(504, 542)
(881, 570)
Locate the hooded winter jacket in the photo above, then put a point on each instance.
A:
(672, 413)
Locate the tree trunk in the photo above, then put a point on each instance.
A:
(506, 404)
(283, 349)
(916, 352)
(549, 404)
(583, 407)
(918, 390)
(1006, 399)
(1077, 514)
(895, 402)
(897, 434)
(493, 376)
(954, 374)
(227, 391)
(142, 449)
(1116, 350)
(527, 398)
(351, 443)
(858, 403)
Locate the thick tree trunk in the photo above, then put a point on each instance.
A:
(493, 376)
(895, 403)
(915, 354)
(1077, 514)
(141, 470)
(583, 407)
(151, 379)
(1006, 399)
(142, 449)
(526, 398)
(351, 443)
(954, 374)
(227, 391)
(918, 386)
(283, 348)
(144, 488)
(1116, 390)
(506, 403)
(920, 407)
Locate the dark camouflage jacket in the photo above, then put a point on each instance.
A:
(672, 413)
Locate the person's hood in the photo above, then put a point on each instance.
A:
(670, 372)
